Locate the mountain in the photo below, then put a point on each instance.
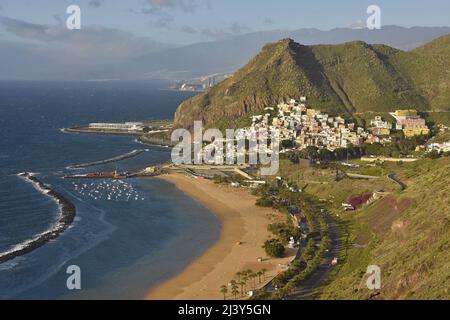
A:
(103, 53)
(229, 54)
(346, 79)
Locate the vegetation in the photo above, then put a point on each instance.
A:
(246, 279)
(220, 179)
(274, 248)
(348, 79)
(388, 232)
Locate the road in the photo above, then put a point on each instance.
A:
(309, 285)
(402, 185)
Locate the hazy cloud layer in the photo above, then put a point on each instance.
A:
(220, 33)
(159, 6)
(99, 39)
(162, 11)
(86, 49)
(188, 30)
(95, 3)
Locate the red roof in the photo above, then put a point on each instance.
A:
(360, 200)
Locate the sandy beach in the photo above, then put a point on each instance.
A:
(243, 232)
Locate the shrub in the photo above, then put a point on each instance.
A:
(274, 248)
(264, 202)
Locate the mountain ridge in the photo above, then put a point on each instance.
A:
(342, 79)
(231, 53)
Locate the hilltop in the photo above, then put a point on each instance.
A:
(344, 79)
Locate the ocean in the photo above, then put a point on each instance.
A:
(128, 236)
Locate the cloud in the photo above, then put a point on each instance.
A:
(221, 33)
(158, 6)
(162, 22)
(237, 28)
(95, 3)
(89, 42)
(267, 20)
(358, 25)
(164, 10)
(188, 30)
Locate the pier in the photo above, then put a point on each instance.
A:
(115, 159)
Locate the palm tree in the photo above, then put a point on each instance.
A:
(259, 274)
(242, 284)
(239, 274)
(253, 276)
(244, 280)
(263, 271)
(234, 290)
(224, 291)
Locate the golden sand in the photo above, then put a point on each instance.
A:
(243, 232)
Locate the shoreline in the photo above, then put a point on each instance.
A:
(243, 232)
(67, 213)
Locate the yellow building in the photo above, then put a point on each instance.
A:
(406, 113)
(311, 112)
(416, 131)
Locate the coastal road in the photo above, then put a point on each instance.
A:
(308, 286)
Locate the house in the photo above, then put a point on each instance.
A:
(354, 202)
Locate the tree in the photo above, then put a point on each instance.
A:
(242, 284)
(234, 289)
(252, 277)
(433, 154)
(239, 274)
(274, 248)
(264, 202)
(263, 271)
(224, 291)
(259, 274)
(374, 149)
(311, 152)
(244, 279)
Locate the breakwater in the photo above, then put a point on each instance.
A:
(115, 159)
(67, 213)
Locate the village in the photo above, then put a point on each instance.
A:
(301, 126)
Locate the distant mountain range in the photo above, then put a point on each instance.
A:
(25, 61)
(232, 53)
(344, 79)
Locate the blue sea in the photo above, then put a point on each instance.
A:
(127, 236)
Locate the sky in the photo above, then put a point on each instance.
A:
(35, 42)
(181, 22)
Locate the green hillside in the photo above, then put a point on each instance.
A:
(342, 79)
(406, 234)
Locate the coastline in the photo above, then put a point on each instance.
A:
(67, 213)
(243, 232)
